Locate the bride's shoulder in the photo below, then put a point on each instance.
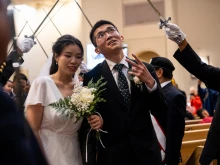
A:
(41, 80)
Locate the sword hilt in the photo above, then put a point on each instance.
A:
(164, 23)
(32, 37)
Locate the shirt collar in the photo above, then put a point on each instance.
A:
(164, 83)
(111, 64)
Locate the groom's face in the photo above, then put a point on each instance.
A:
(108, 39)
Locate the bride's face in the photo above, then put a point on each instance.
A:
(70, 59)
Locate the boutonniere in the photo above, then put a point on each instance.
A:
(137, 81)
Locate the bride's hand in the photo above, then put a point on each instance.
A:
(95, 122)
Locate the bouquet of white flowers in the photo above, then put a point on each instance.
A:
(83, 101)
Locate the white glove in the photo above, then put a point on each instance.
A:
(174, 33)
(26, 44)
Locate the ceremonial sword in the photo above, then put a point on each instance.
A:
(50, 18)
(53, 23)
(32, 36)
(163, 21)
(83, 13)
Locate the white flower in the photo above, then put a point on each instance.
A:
(77, 88)
(86, 95)
(87, 91)
(137, 80)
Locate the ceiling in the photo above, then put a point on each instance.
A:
(36, 3)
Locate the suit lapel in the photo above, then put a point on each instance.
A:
(111, 84)
(134, 89)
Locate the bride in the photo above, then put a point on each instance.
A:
(57, 135)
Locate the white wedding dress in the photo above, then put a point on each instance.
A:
(59, 135)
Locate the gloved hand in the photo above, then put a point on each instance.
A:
(174, 33)
(26, 45)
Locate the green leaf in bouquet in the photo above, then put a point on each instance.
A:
(64, 105)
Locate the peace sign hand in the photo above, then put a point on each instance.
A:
(141, 71)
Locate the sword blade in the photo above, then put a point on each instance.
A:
(49, 21)
(163, 21)
(157, 11)
(45, 18)
(84, 13)
(38, 42)
(53, 23)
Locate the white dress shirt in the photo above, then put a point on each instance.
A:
(125, 71)
(164, 84)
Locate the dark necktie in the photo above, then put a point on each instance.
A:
(123, 84)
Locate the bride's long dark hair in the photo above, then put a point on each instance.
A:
(58, 47)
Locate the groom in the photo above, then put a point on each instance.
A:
(131, 139)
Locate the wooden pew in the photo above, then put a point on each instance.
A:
(194, 158)
(188, 147)
(193, 121)
(195, 134)
(191, 127)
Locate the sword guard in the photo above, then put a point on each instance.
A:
(164, 23)
(32, 37)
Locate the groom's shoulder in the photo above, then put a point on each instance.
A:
(95, 71)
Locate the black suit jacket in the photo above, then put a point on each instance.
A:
(175, 123)
(7, 67)
(18, 144)
(211, 77)
(130, 132)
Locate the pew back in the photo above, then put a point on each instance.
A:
(191, 127)
(193, 121)
(195, 134)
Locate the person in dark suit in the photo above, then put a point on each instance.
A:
(131, 139)
(19, 84)
(209, 98)
(176, 109)
(208, 74)
(17, 142)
